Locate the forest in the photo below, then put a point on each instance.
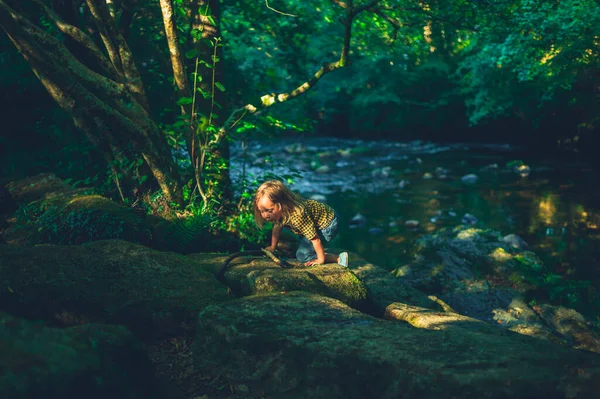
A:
(135, 134)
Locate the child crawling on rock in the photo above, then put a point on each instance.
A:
(314, 222)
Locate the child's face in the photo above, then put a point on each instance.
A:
(269, 210)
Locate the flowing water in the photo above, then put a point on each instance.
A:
(377, 186)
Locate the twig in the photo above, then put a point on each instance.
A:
(275, 259)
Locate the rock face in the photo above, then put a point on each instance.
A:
(300, 345)
(112, 281)
(90, 361)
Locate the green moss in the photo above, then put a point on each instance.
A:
(75, 219)
(109, 280)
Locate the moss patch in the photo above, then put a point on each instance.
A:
(115, 281)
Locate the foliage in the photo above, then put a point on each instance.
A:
(528, 57)
(560, 290)
(414, 71)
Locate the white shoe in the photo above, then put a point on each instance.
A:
(343, 259)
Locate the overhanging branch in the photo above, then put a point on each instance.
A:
(271, 99)
(83, 39)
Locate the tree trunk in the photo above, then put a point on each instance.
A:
(111, 109)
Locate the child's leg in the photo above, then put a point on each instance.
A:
(305, 251)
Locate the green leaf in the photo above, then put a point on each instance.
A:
(193, 53)
(184, 100)
(220, 86)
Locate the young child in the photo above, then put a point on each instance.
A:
(316, 223)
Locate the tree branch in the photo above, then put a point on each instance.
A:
(118, 50)
(83, 39)
(366, 6)
(269, 100)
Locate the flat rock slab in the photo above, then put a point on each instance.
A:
(299, 345)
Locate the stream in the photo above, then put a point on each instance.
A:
(389, 193)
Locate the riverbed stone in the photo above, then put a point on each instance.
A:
(151, 292)
(88, 361)
(299, 345)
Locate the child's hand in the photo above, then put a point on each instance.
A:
(270, 248)
(314, 262)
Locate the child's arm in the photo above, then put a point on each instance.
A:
(318, 245)
(275, 237)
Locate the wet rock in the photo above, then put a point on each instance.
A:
(358, 220)
(514, 241)
(318, 197)
(300, 345)
(412, 224)
(468, 219)
(322, 169)
(381, 172)
(439, 171)
(295, 148)
(469, 179)
(403, 183)
(493, 166)
(522, 170)
(427, 176)
(375, 230)
(345, 152)
(93, 361)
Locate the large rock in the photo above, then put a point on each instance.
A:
(88, 361)
(150, 292)
(300, 345)
(259, 275)
(481, 275)
(76, 218)
(36, 187)
(385, 289)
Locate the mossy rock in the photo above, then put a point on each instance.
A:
(385, 289)
(91, 361)
(450, 256)
(78, 218)
(301, 345)
(151, 292)
(36, 187)
(257, 275)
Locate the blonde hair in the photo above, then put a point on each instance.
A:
(290, 202)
